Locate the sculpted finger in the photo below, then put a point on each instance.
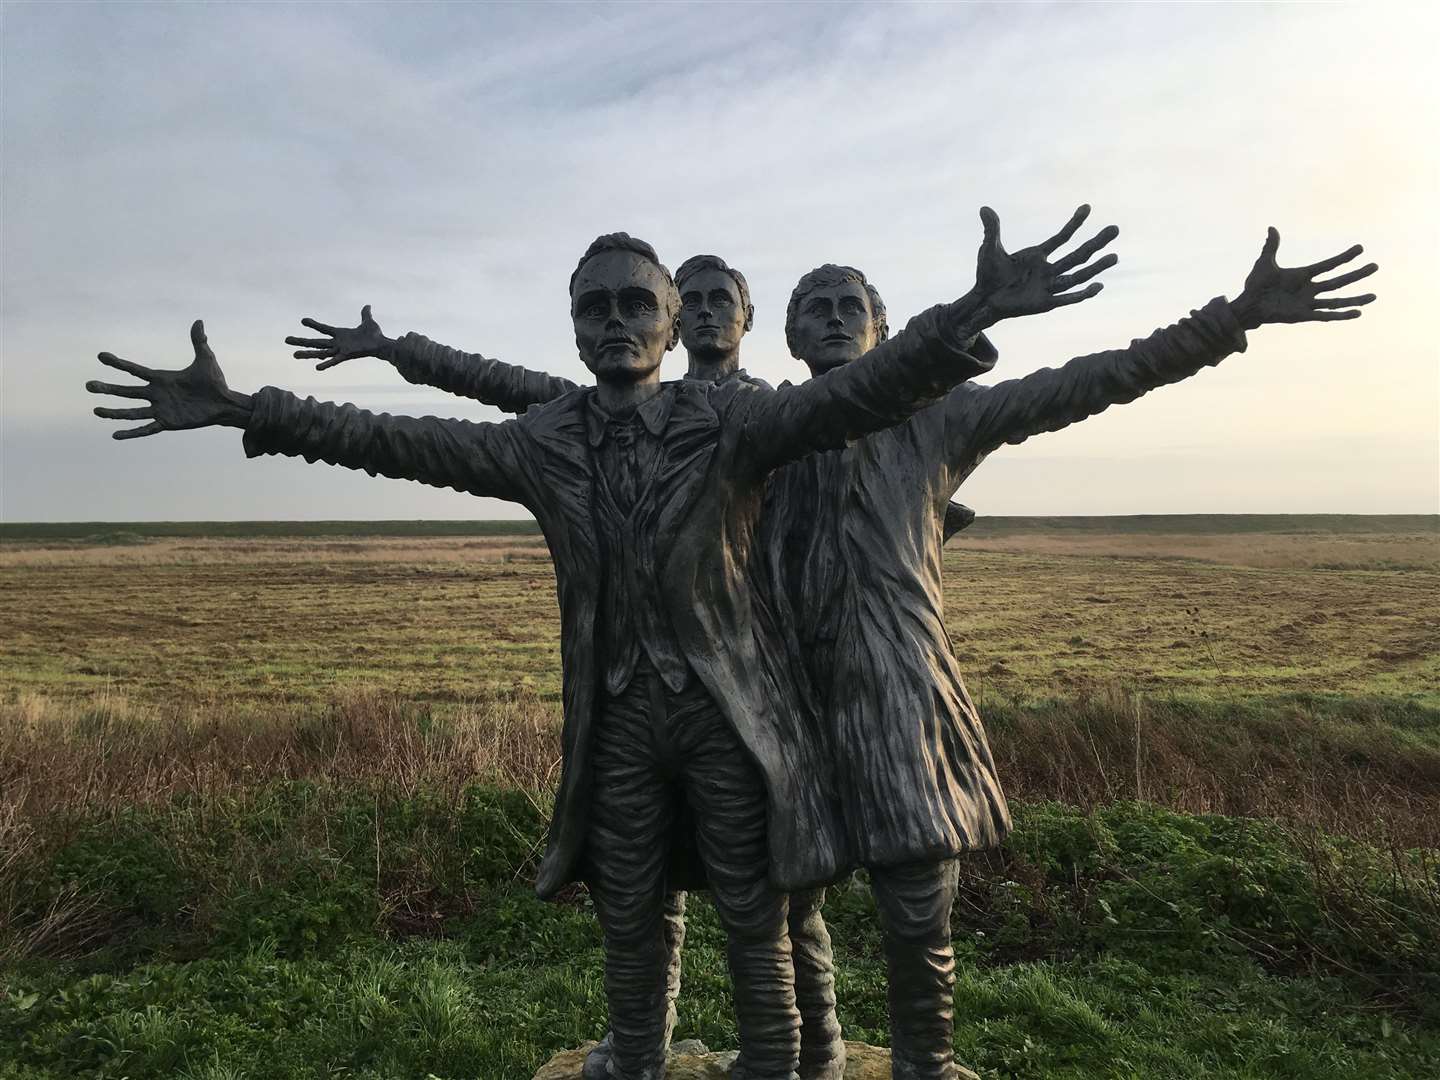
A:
(1069, 281)
(1075, 298)
(139, 432)
(146, 413)
(365, 315)
(1331, 316)
(324, 328)
(1343, 301)
(311, 342)
(329, 363)
(201, 342)
(127, 366)
(1334, 261)
(1087, 249)
(117, 390)
(1272, 243)
(1076, 220)
(313, 354)
(1344, 279)
(990, 223)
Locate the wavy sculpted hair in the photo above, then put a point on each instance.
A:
(696, 263)
(829, 275)
(619, 241)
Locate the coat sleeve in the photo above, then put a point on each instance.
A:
(479, 458)
(980, 418)
(887, 385)
(494, 382)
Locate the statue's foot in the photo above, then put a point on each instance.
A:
(597, 1061)
(824, 1062)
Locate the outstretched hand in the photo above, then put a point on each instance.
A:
(192, 397)
(1026, 282)
(342, 343)
(1282, 294)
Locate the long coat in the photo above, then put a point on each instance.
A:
(853, 544)
(719, 445)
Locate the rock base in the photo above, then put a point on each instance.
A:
(690, 1060)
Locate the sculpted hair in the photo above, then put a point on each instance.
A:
(829, 275)
(619, 241)
(696, 263)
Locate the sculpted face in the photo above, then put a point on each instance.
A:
(834, 325)
(712, 317)
(623, 322)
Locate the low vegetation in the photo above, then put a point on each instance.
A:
(270, 807)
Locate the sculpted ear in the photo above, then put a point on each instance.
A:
(674, 333)
(749, 317)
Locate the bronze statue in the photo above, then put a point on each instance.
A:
(715, 314)
(649, 495)
(911, 751)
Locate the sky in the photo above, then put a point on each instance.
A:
(250, 164)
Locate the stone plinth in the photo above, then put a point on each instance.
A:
(690, 1061)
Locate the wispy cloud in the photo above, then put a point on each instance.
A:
(447, 163)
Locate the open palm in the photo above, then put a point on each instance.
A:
(192, 397)
(1291, 294)
(341, 343)
(1026, 282)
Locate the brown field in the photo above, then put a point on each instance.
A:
(1205, 670)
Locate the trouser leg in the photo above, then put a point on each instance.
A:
(597, 1062)
(915, 901)
(632, 807)
(822, 1048)
(728, 796)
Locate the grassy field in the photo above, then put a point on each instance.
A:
(270, 797)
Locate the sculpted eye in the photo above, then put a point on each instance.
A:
(691, 302)
(593, 311)
(851, 306)
(722, 300)
(639, 307)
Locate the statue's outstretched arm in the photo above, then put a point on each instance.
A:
(426, 363)
(981, 418)
(931, 355)
(483, 459)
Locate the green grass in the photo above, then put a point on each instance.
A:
(260, 938)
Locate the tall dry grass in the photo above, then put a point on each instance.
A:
(71, 760)
(1347, 776)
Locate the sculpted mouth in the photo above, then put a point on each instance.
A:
(837, 339)
(617, 343)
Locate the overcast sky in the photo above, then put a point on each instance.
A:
(447, 163)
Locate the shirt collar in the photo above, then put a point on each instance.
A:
(654, 414)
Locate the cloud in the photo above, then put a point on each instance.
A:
(447, 163)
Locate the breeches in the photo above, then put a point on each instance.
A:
(652, 748)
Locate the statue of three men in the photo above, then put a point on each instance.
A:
(760, 694)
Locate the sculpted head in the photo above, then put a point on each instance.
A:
(834, 316)
(715, 308)
(625, 308)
